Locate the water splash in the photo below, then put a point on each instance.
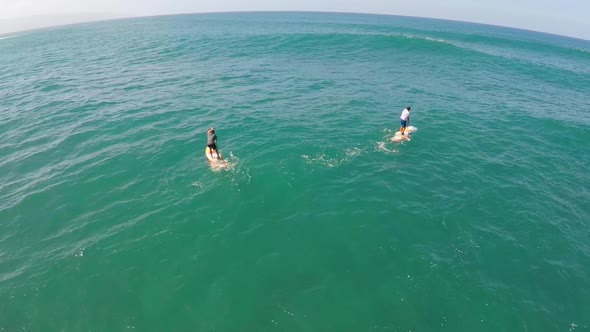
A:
(329, 161)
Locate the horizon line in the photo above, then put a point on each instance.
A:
(130, 16)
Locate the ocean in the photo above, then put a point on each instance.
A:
(111, 218)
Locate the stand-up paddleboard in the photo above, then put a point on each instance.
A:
(215, 159)
(398, 137)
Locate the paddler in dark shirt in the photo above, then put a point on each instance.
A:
(212, 142)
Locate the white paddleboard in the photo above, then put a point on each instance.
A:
(398, 137)
(215, 159)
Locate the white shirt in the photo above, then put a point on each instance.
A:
(405, 114)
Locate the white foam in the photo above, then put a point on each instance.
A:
(331, 162)
(322, 159)
(382, 147)
(437, 40)
(354, 152)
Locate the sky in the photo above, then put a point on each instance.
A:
(564, 17)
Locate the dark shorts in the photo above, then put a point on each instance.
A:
(212, 146)
(403, 122)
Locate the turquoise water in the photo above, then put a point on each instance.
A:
(112, 220)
